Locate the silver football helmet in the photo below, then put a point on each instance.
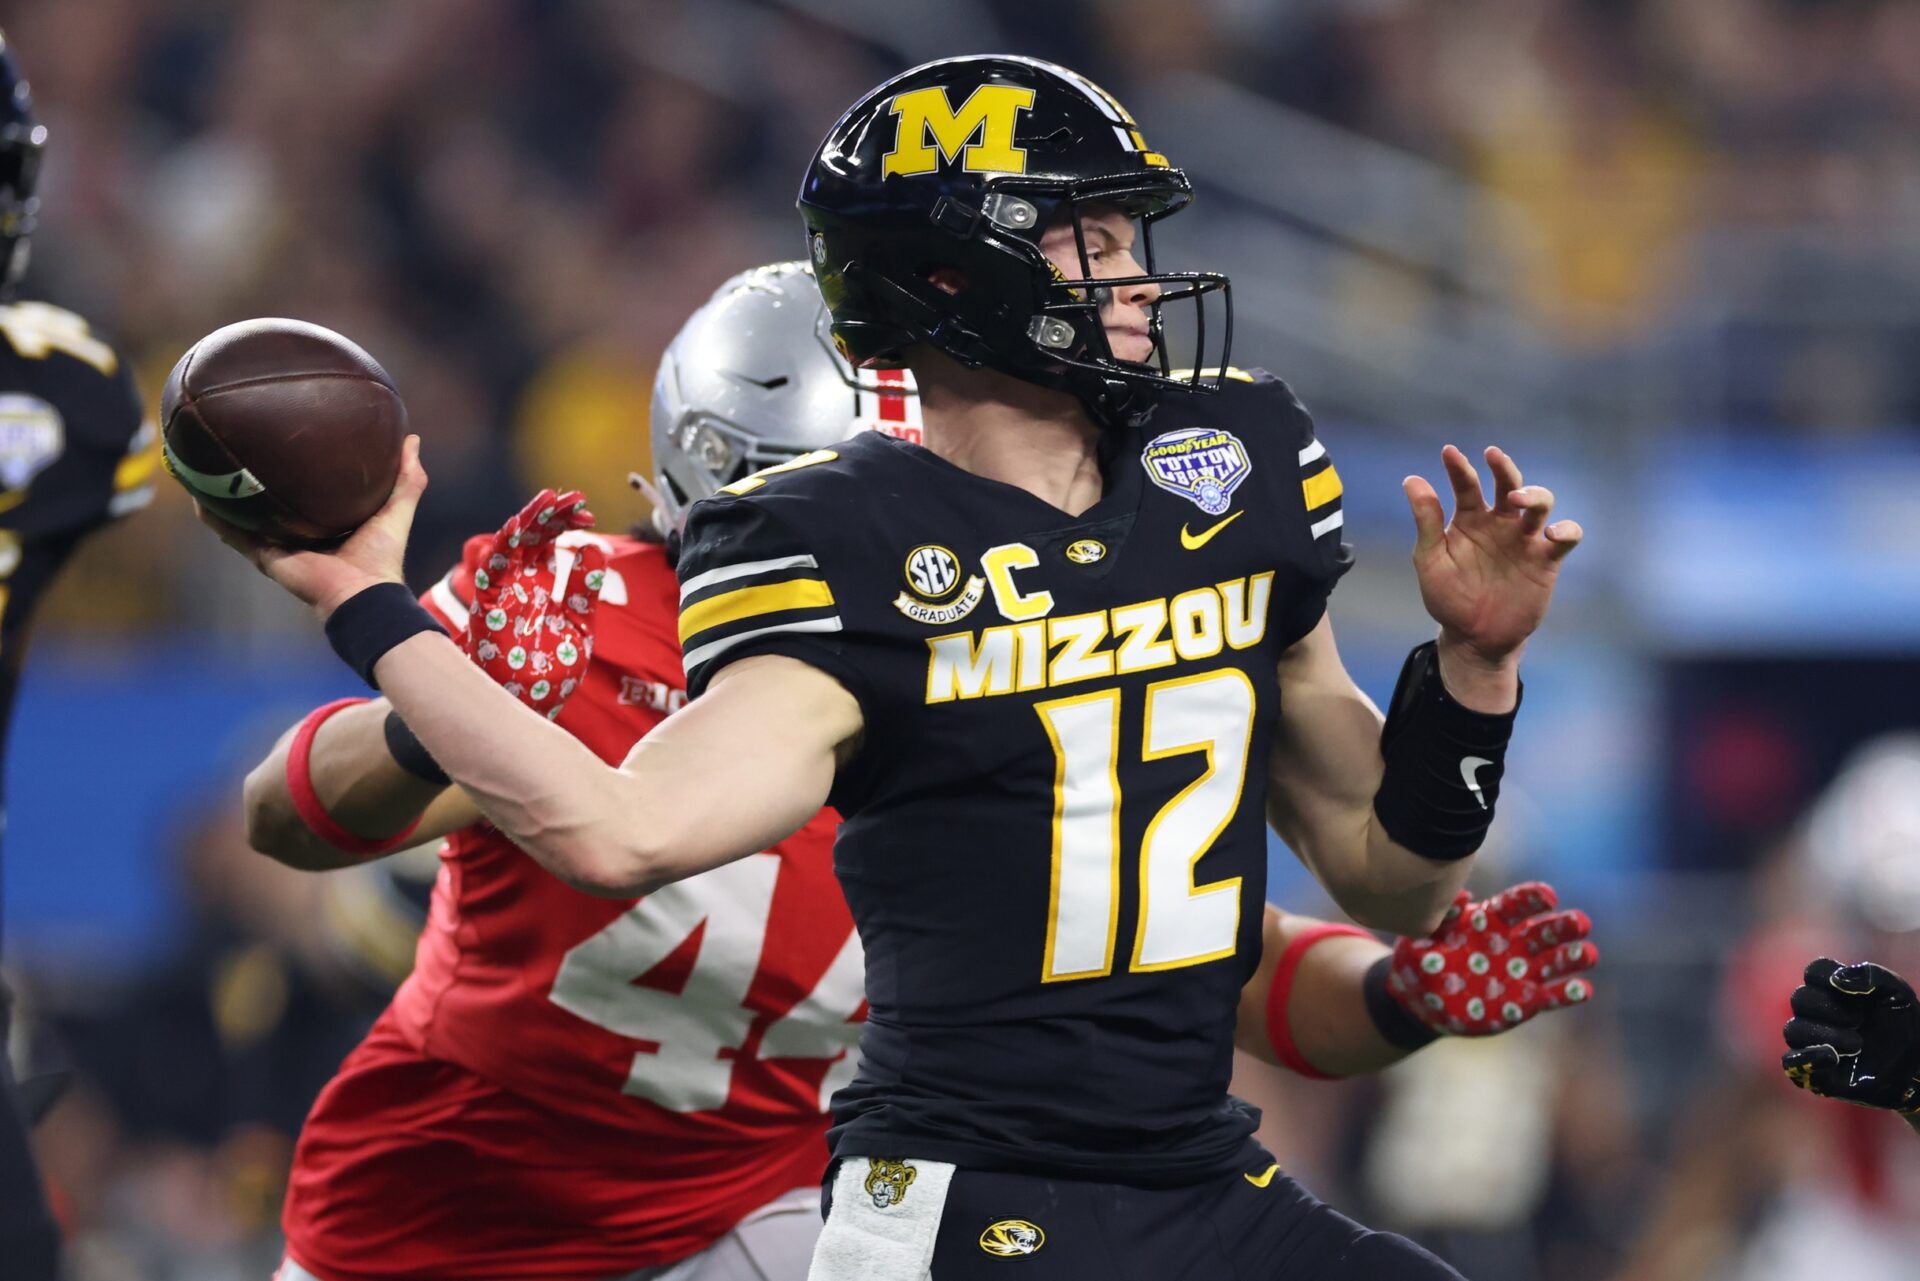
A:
(1863, 834)
(753, 379)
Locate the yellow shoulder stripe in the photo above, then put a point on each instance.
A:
(137, 468)
(1321, 488)
(751, 602)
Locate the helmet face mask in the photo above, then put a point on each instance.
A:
(908, 184)
(1090, 349)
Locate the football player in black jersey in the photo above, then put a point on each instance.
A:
(75, 453)
(1055, 679)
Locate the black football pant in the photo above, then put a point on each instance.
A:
(1231, 1229)
(29, 1242)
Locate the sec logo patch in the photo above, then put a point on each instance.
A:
(933, 575)
(932, 571)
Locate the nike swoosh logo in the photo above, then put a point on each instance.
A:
(233, 484)
(1194, 542)
(769, 384)
(225, 484)
(1265, 1178)
(1467, 767)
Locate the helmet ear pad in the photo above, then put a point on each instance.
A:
(952, 292)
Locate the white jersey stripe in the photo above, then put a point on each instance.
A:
(700, 582)
(1312, 453)
(699, 654)
(1328, 524)
(449, 604)
(129, 500)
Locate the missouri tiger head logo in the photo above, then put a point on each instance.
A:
(1086, 551)
(887, 1181)
(1011, 1238)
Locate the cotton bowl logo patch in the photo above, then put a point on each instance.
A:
(32, 434)
(1201, 464)
(1011, 1238)
(933, 573)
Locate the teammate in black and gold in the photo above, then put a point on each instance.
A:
(1055, 668)
(75, 453)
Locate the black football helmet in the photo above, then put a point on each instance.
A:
(22, 138)
(963, 163)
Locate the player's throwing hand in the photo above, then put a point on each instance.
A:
(1492, 966)
(1855, 1035)
(531, 628)
(1487, 576)
(373, 553)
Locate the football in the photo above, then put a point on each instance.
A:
(283, 428)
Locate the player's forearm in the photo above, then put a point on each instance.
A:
(1326, 1013)
(1373, 880)
(1388, 887)
(545, 790)
(1388, 813)
(716, 782)
(1323, 772)
(355, 780)
(1399, 888)
(1322, 792)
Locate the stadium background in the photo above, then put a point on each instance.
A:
(1664, 252)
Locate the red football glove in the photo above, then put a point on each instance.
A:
(1494, 965)
(534, 646)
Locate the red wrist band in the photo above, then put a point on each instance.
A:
(1277, 1030)
(306, 801)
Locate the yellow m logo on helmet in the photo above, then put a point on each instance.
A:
(979, 135)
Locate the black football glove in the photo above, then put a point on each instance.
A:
(1855, 1035)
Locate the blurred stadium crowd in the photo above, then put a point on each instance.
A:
(1583, 221)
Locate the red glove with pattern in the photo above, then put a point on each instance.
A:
(1493, 965)
(533, 644)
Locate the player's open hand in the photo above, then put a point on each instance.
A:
(1487, 576)
(373, 553)
(1855, 1035)
(531, 624)
(1492, 966)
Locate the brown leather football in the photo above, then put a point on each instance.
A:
(284, 428)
